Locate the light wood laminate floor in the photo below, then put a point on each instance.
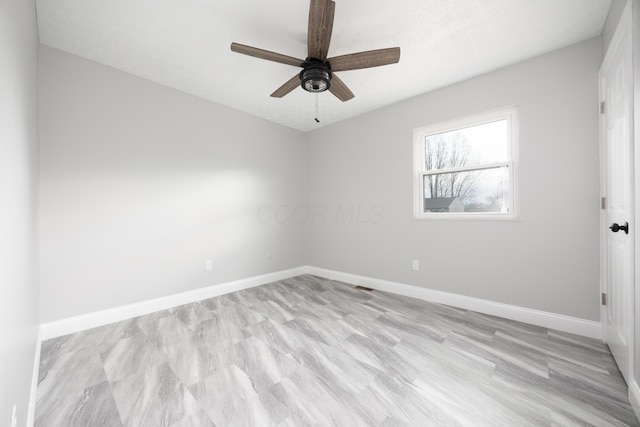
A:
(308, 351)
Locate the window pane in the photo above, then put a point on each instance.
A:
(470, 191)
(470, 146)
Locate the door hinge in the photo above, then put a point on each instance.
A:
(603, 203)
(603, 299)
(602, 107)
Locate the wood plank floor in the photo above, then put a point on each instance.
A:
(312, 352)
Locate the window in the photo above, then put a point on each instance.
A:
(465, 168)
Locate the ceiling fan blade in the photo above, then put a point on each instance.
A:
(339, 89)
(368, 59)
(321, 14)
(290, 85)
(266, 54)
(327, 30)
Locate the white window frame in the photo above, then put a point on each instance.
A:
(509, 114)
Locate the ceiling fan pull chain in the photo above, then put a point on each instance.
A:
(317, 118)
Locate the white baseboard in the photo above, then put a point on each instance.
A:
(634, 397)
(535, 317)
(99, 318)
(545, 319)
(33, 394)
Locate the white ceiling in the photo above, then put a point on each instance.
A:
(185, 45)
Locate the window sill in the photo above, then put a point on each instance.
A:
(466, 217)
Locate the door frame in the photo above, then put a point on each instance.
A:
(634, 388)
(624, 28)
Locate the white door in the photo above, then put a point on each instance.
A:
(616, 92)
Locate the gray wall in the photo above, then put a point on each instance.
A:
(548, 260)
(140, 184)
(18, 203)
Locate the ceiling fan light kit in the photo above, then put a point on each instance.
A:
(317, 75)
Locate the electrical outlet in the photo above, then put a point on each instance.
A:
(415, 265)
(13, 421)
(269, 257)
(208, 265)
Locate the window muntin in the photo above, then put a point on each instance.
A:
(465, 168)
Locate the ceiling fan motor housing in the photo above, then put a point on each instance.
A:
(316, 76)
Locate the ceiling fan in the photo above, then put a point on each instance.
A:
(317, 73)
